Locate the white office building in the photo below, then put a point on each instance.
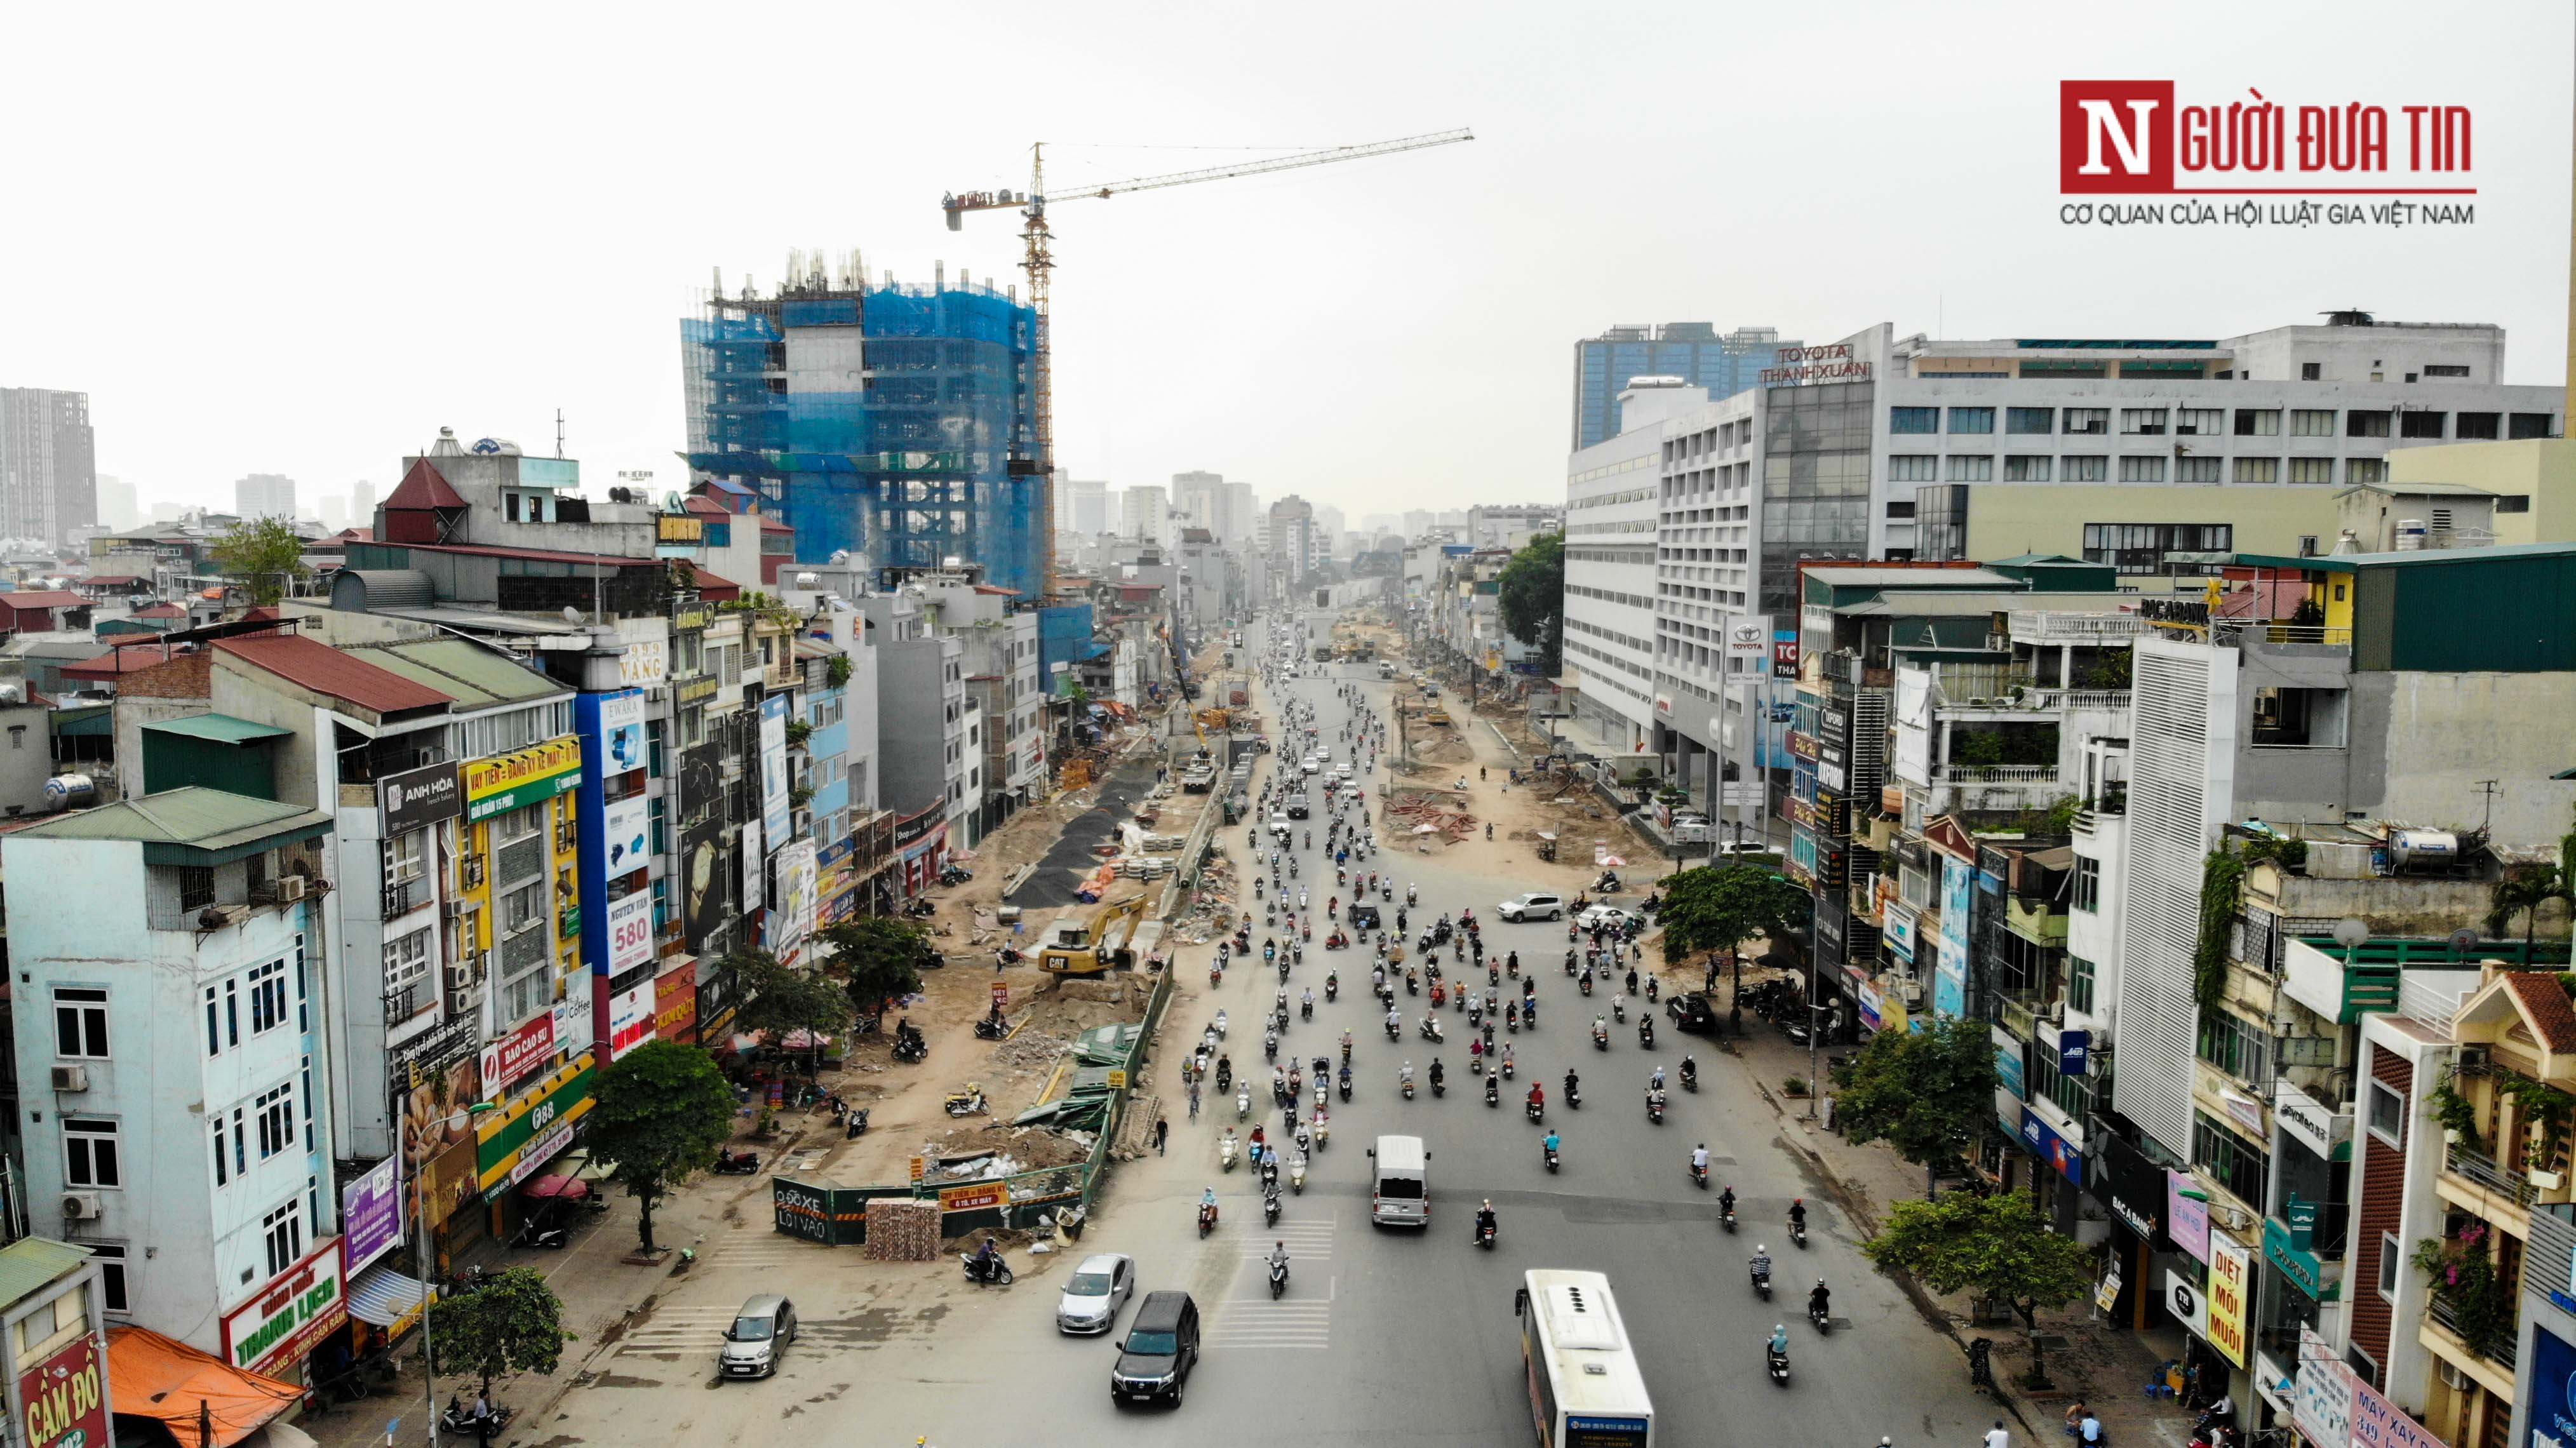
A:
(1610, 520)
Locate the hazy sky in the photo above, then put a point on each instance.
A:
(300, 241)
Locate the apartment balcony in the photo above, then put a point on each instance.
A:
(2037, 921)
(2441, 1334)
(1994, 774)
(2049, 626)
(2486, 1188)
(2018, 1013)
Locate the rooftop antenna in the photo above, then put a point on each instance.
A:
(2488, 787)
(558, 432)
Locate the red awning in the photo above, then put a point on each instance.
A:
(570, 1188)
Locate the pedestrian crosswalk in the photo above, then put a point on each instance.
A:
(1303, 1318)
(759, 1249)
(1308, 1240)
(678, 1332)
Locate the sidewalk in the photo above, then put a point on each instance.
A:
(2108, 1367)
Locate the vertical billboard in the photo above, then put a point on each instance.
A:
(1950, 974)
(704, 889)
(773, 765)
(792, 917)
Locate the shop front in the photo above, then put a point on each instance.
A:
(276, 1332)
(675, 1000)
(518, 1141)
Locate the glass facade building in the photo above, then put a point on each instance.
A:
(1692, 351)
(1815, 483)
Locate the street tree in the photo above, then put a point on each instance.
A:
(2525, 888)
(266, 554)
(1531, 596)
(877, 958)
(1994, 1246)
(659, 1115)
(513, 1323)
(784, 999)
(1928, 1093)
(1715, 909)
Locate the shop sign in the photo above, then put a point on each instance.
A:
(523, 777)
(694, 690)
(2302, 1118)
(1899, 929)
(2073, 1047)
(2379, 1423)
(534, 1127)
(631, 1019)
(2231, 1293)
(973, 1195)
(630, 931)
(621, 731)
(1802, 746)
(2008, 1068)
(516, 1054)
(2130, 1185)
(2322, 1405)
(679, 528)
(646, 662)
(1873, 1012)
(371, 1215)
(2300, 1266)
(2186, 1215)
(418, 797)
(2247, 1111)
(2553, 1391)
(689, 620)
(675, 1003)
(2049, 1146)
(278, 1328)
(1950, 975)
(1784, 653)
(575, 1028)
(442, 1045)
(65, 1397)
(2188, 1304)
(773, 765)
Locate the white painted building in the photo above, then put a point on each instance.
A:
(1610, 524)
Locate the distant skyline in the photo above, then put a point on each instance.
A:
(1383, 335)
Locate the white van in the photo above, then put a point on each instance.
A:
(1400, 1185)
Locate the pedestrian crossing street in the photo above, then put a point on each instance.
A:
(759, 1249)
(679, 1332)
(1303, 1318)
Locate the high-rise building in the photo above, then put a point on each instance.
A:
(1243, 515)
(116, 505)
(932, 462)
(265, 495)
(1691, 351)
(1293, 539)
(48, 464)
(1142, 513)
(1198, 499)
(362, 504)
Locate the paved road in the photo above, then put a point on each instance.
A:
(1384, 1336)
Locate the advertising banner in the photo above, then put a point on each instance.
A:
(2051, 1146)
(523, 777)
(2008, 1064)
(2231, 1290)
(703, 887)
(2186, 1215)
(976, 1194)
(2131, 1186)
(792, 922)
(1898, 929)
(511, 1144)
(701, 782)
(518, 1053)
(626, 837)
(2188, 1304)
(621, 731)
(2322, 1408)
(675, 1003)
(754, 855)
(631, 1019)
(773, 765)
(371, 1217)
(66, 1397)
(2379, 1423)
(418, 797)
(1784, 653)
(630, 931)
(1748, 637)
(1950, 974)
(274, 1331)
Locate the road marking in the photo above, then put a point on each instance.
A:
(678, 1331)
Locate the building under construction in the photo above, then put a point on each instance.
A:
(893, 423)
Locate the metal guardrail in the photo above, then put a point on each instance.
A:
(2482, 1169)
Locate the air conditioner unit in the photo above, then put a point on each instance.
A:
(80, 1206)
(1914, 992)
(290, 889)
(71, 1078)
(2452, 1377)
(459, 909)
(2473, 1055)
(461, 975)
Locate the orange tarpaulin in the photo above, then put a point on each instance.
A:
(153, 1376)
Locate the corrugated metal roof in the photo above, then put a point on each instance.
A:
(44, 598)
(385, 588)
(422, 487)
(117, 662)
(474, 676)
(194, 819)
(31, 1262)
(325, 670)
(220, 728)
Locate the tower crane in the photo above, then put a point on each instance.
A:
(1035, 240)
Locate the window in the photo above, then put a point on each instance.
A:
(1913, 419)
(2312, 470)
(275, 1113)
(283, 1231)
(406, 959)
(523, 907)
(2088, 884)
(2142, 470)
(2311, 371)
(2390, 1254)
(1895, 510)
(2093, 468)
(115, 1296)
(2200, 422)
(2478, 426)
(2026, 468)
(2387, 1114)
(518, 824)
(2445, 369)
(2197, 470)
(223, 1159)
(268, 996)
(2414, 422)
(2366, 470)
(2079, 984)
(2231, 1160)
(2362, 423)
(403, 856)
(1972, 419)
(1971, 468)
(2142, 421)
(1913, 468)
(2258, 470)
(80, 1022)
(90, 1153)
(2030, 421)
(2522, 425)
(2236, 1047)
(2312, 422)
(308, 1104)
(2088, 421)
(2513, 503)
(214, 1025)
(2258, 422)
(196, 887)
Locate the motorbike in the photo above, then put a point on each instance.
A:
(1586, 982)
(1394, 1031)
(1297, 1176)
(989, 1029)
(1243, 1103)
(1779, 1364)
(1608, 884)
(1306, 1008)
(1601, 1038)
(1798, 1232)
(1726, 1219)
(1431, 1028)
(1439, 1087)
(968, 1102)
(1270, 1207)
(1408, 1088)
(910, 1049)
(1619, 1009)
(1762, 1282)
(1573, 1099)
(1278, 1278)
(1699, 1176)
(1346, 1083)
(1535, 1111)
(1551, 1157)
(459, 1418)
(1655, 1108)
(737, 1163)
(1493, 1092)
(539, 1233)
(1227, 1148)
(1508, 1068)
(1270, 1045)
(1220, 1025)
(1646, 1032)
(1820, 1316)
(1224, 1077)
(1207, 1218)
(997, 1275)
(1332, 987)
(857, 1125)
(1690, 1075)
(1485, 1235)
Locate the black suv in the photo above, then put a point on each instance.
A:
(1298, 807)
(1162, 1347)
(1690, 1013)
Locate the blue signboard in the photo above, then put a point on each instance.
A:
(2072, 1048)
(2008, 1073)
(2553, 1385)
(2048, 1146)
(1950, 976)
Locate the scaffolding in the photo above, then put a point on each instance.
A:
(912, 468)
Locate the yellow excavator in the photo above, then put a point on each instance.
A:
(1076, 945)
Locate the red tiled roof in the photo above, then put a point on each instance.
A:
(115, 663)
(422, 487)
(325, 670)
(772, 525)
(997, 588)
(2545, 1005)
(721, 590)
(708, 507)
(44, 598)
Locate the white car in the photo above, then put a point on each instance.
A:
(1536, 905)
(1605, 917)
(1095, 1292)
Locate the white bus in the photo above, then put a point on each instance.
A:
(1584, 1387)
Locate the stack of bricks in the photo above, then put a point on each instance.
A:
(902, 1229)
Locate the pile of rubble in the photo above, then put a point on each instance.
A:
(1030, 1050)
(1411, 812)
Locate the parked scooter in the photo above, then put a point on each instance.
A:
(744, 1163)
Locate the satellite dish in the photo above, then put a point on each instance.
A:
(2463, 940)
(572, 615)
(2350, 933)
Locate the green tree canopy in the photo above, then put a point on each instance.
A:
(1993, 1246)
(1928, 1093)
(1531, 596)
(661, 1113)
(783, 999)
(511, 1324)
(266, 554)
(1717, 908)
(877, 958)
(2525, 888)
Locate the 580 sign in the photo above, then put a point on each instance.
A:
(630, 931)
